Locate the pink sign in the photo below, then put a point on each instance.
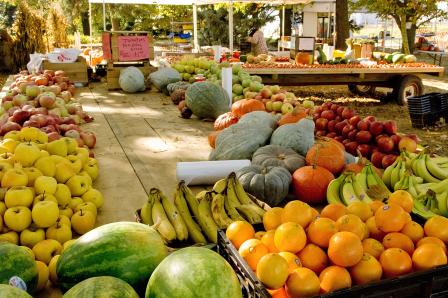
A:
(132, 48)
(106, 45)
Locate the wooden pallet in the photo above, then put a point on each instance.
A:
(76, 71)
(113, 72)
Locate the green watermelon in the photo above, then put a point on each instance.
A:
(16, 261)
(194, 272)
(397, 58)
(7, 291)
(126, 250)
(102, 287)
(207, 100)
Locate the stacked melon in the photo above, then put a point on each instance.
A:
(46, 195)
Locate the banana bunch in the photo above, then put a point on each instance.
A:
(430, 204)
(410, 183)
(348, 188)
(372, 183)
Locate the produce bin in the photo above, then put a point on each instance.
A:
(431, 283)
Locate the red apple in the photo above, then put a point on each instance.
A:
(321, 123)
(414, 137)
(396, 139)
(40, 110)
(340, 110)
(352, 134)
(347, 128)
(47, 99)
(376, 158)
(339, 138)
(364, 149)
(89, 138)
(388, 160)
(20, 116)
(351, 147)
(408, 144)
(52, 136)
(340, 126)
(380, 136)
(338, 118)
(12, 110)
(31, 123)
(331, 125)
(331, 134)
(80, 142)
(318, 110)
(326, 106)
(363, 137)
(347, 113)
(385, 144)
(376, 128)
(74, 134)
(320, 133)
(345, 141)
(390, 127)
(40, 119)
(334, 107)
(354, 120)
(370, 119)
(49, 128)
(363, 125)
(328, 114)
(9, 126)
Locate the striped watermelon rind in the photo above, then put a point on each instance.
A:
(126, 250)
(7, 291)
(16, 261)
(102, 287)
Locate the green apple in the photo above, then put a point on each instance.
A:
(76, 162)
(14, 177)
(78, 185)
(45, 214)
(46, 165)
(45, 185)
(66, 211)
(19, 196)
(45, 250)
(32, 174)
(7, 157)
(286, 108)
(95, 196)
(26, 153)
(92, 168)
(63, 194)
(31, 236)
(17, 218)
(277, 106)
(64, 171)
(72, 144)
(58, 147)
(308, 104)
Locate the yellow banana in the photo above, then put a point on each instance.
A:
(220, 185)
(206, 221)
(250, 214)
(219, 214)
(175, 218)
(161, 221)
(241, 194)
(200, 195)
(190, 198)
(434, 169)
(231, 203)
(146, 211)
(333, 190)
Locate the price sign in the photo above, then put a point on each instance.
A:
(132, 48)
(106, 45)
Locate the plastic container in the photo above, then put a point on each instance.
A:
(421, 120)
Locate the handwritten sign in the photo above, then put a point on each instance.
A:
(132, 48)
(106, 45)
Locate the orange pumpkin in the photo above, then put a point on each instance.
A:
(212, 138)
(225, 120)
(303, 58)
(310, 183)
(245, 106)
(326, 153)
(292, 117)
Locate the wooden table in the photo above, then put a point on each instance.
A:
(436, 56)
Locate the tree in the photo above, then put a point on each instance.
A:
(342, 24)
(408, 14)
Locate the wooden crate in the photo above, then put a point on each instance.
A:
(113, 72)
(76, 71)
(114, 43)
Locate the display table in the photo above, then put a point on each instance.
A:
(436, 56)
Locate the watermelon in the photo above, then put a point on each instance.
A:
(194, 272)
(207, 100)
(397, 58)
(17, 262)
(102, 287)
(126, 250)
(7, 291)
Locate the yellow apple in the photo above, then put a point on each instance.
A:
(75, 162)
(44, 153)
(26, 153)
(85, 174)
(64, 171)
(83, 221)
(29, 237)
(17, 218)
(57, 147)
(13, 134)
(45, 214)
(4, 166)
(14, 177)
(95, 196)
(46, 165)
(3, 191)
(63, 194)
(91, 167)
(42, 147)
(9, 145)
(2, 209)
(45, 184)
(78, 185)
(44, 197)
(66, 211)
(46, 249)
(32, 174)
(19, 196)
(72, 144)
(7, 157)
(29, 251)
(44, 275)
(63, 219)
(29, 134)
(52, 268)
(87, 206)
(83, 154)
(59, 232)
(1, 222)
(42, 138)
(11, 237)
(67, 244)
(57, 159)
(75, 202)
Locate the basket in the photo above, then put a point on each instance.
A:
(421, 120)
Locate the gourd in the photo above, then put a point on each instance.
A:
(225, 120)
(326, 154)
(303, 58)
(177, 96)
(297, 136)
(207, 100)
(268, 184)
(163, 77)
(258, 118)
(292, 117)
(274, 155)
(212, 138)
(181, 85)
(132, 80)
(310, 183)
(245, 106)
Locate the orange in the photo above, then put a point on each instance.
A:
(360, 209)
(390, 218)
(398, 240)
(272, 218)
(345, 249)
(268, 241)
(374, 232)
(373, 247)
(239, 231)
(434, 240)
(407, 217)
(272, 271)
(313, 257)
(427, 256)
(375, 205)
(333, 211)
(293, 260)
(315, 214)
(352, 223)
(320, 231)
(258, 235)
(303, 282)
(367, 270)
(251, 251)
(279, 293)
(437, 226)
(403, 199)
(290, 237)
(413, 230)
(334, 278)
(298, 212)
(395, 262)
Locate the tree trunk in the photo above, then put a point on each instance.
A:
(411, 37)
(115, 24)
(404, 35)
(85, 23)
(342, 24)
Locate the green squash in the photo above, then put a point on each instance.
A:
(176, 86)
(7, 291)
(163, 77)
(276, 156)
(258, 118)
(207, 100)
(101, 287)
(297, 136)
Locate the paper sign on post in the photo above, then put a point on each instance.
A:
(132, 48)
(106, 45)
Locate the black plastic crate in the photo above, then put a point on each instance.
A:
(420, 104)
(426, 284)
(421, 120)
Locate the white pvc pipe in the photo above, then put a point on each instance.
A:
(104, 15)
(90, 23)
(195, 28)
(384, 34)
(334, 25)
(283, 26)
(231, 26)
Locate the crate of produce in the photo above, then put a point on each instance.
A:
(76, 71)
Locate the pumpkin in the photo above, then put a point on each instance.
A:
(297, 136)
(273, 155)
(225, 120)
(268, 184)
(181, 105)
(310, 184)
(326, 154)
(207, 100)
(244, 106)
(292, 117)
(177, 96)
(303, 58)
(259, 118)
(212, 138)
(131, 80)
(181, 85)
(164, 76)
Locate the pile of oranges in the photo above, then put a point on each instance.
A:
(303, 252)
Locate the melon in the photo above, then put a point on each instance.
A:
(194, 272)
(7, 291)
(102, 287)
(397, 58)
(410, 59)
(207, 100)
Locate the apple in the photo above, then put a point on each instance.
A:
(390, 127)
(265, 93)
(30, 123)
(46, 249)
(321, 123)
(347, 129)
(363, 125)
(326, 106)
(87, 206)
(19, 99)
(321, 133)
(354, 120)
(74, 134)
(14, 177)
(83, 221)
(45, 184)
(396, 139)
(19, 196)
(370, 119)
(385, 144)
(49, 128)
(44, 197)
(339, 139)
(26, 153)
(32, 173)
(376, 158)
(331, 126)
(95, 196)
(7, 105)
(308, 104)
(286, 108)
(351, 147)
(316, 116)
(55, 89)
(276, 106)
(78, 185)
(318, 109)
(364, 149)
(71, 145)
(388, 160)
(83, 155)
(47, 99)
(45, 213)
(43, 275)
(334, 107)
(328, 114)
(32, 91)
(66, 96)
(63, 194)
(58, 147)
(17, 218)
(279, 97)
(347, 113)
(75, 162)
(40, 119)
(31, 236)
(352, 134)
(55, 112)
(75, 202)
(59, 232)
(257, 97)
(269, 107)
(331, 135)
(29, 134)
(363, 137)
(53, 136)
(408, 144)
(414, 137)
(40, 110)
(376, 128)
(274, 89)
(66, 211)
(64, 171)
(9, 126)
(340, 110)
(46, 165)
(339, 127)
(13, 134)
